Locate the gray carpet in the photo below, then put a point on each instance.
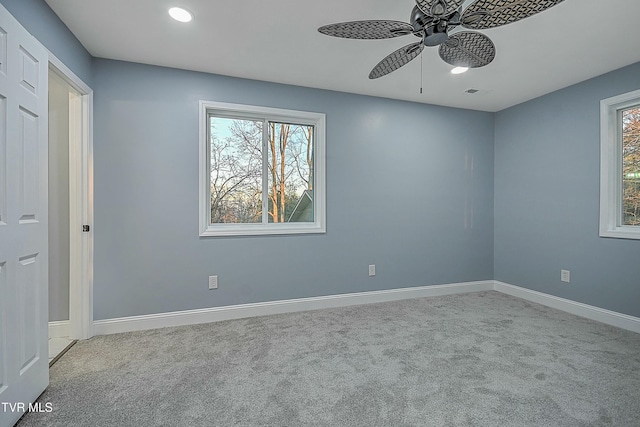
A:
(481, 359)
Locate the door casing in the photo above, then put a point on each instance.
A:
(81, 202)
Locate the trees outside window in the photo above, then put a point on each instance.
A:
(290, 169)
(235, 170)
(631, 165)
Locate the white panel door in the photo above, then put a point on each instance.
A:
(24, 370)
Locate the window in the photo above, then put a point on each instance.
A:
(261, 170)
(620, 166)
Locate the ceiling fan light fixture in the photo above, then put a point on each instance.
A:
(180, 14)
(459, 70)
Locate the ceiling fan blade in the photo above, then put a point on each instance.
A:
(438, 7)
(397, 59)
(468, 49)
(483, 14)
(367, 30)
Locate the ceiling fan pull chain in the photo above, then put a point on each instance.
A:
(421, 73)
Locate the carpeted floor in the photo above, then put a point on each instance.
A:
(480, 359)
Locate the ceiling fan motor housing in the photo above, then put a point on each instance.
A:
(432, 29)
(435, 35)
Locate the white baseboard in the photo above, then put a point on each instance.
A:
(216, 314)
(579, 309)
(59, 329)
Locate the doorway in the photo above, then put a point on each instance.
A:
(70, 103)
(61, 97)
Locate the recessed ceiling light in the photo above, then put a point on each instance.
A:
(459, 70)
(180, 14)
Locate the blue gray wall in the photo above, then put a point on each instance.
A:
(409, 188)
(547, 172)
(38, 18)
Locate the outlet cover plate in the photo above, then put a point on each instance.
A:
(213, 282)
(565, 276)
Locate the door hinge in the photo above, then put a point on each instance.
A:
(85, 228)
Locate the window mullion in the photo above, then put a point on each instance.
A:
(265, 172)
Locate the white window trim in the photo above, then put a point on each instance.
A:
(611, 167)
(317, 120)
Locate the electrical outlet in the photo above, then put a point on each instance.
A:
(372, 270)
(213, 282)
(565, 276)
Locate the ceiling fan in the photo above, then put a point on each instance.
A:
(435, 23)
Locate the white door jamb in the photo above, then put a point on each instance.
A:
(81, 202)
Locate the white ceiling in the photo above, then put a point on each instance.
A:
(278, 41)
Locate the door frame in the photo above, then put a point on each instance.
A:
(80, 202)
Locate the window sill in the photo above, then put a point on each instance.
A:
(230, 230)
(622, 232)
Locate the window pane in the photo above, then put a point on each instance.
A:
(290, 174)
(631, 165)
(236, 170)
